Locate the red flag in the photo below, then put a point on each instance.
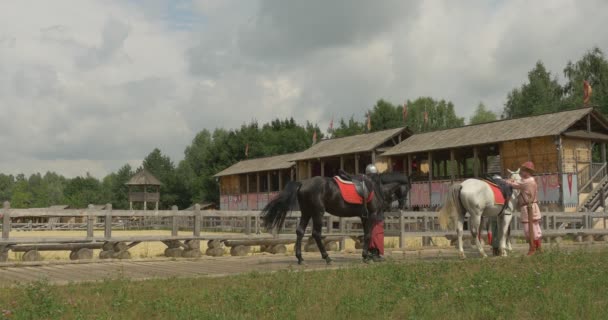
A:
(247, 150)
(314, 137)
(331, 123)
(369, 121)
(586, 92)
(404, 111)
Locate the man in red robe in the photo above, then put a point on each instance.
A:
(376, 242)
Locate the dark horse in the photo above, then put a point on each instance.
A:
(318, 195)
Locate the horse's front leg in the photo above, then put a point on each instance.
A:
(317, 227)
(459, 232)
(366, 238)
(505, 242)
(300, 235)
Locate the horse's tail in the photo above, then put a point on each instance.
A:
(275, 211)
(451, 209)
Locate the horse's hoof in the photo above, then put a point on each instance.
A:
(367, 260)
(328, 262)
(462, 256)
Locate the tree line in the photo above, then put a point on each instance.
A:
(191, 180)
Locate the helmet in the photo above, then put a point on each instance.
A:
(371, 169)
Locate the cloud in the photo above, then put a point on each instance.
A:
(87, 86)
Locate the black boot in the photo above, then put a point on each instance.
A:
(376, 257)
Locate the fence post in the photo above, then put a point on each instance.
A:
(329, 223)
(248, 224)
(6, 219)
(342, 231)
(90, 221)
(257, 223)
(197, 220)
(174, 227)
(107, 233)
(401, 229)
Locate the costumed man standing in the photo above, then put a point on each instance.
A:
(528, 206)
(376, 243)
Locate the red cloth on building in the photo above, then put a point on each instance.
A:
(377, 237)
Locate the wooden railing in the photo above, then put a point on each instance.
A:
(591, 174)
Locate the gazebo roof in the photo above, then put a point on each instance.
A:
(143, 178)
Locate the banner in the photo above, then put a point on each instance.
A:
(570, 189)
(548, 188)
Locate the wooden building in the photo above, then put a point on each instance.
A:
(250, 184)
(351, 154)
(144, 187)
(562, 145)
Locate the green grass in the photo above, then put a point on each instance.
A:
(555, 285)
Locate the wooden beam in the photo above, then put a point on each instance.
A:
(452, 164)
(475, 162)
(309, 169)
(280, 180)
(430, 177)
(257, 182)
(341, 162)
(357, 163)
(603, 152)
(588, 122)
(322, 163)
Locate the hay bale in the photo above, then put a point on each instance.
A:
(32, 255)
(215, 252)
(238, 251)
(192, 253)
(173, 252)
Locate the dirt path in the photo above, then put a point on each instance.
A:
(58, 272)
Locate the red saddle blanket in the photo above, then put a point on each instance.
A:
(498, 197)
(349, 193)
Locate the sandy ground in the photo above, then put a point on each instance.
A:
(156, 248)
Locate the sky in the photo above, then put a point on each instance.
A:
(88, 86)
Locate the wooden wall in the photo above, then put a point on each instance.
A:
(576, 152)
(542, 151)
(230, 185)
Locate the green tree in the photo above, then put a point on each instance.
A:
(344, 129)
(115, 184)
(482, 115)
(441, 115)
(542, 94)
(592, 67)
(162, 168)
(81, 191)
(385, 115)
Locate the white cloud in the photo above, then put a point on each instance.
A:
(87, 86)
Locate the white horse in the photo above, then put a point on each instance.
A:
(476, 197)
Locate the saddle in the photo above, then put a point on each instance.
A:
(353, 188)
(504, 188)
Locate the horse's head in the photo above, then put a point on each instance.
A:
(514, 175)
(396, 187)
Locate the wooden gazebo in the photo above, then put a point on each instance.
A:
(144, 187)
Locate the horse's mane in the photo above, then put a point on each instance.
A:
(389, 177)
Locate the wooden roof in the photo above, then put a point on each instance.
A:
(259, 164)
(550, 124)
(143, 178)
(347, 145)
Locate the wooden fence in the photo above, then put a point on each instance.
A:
(244, 227)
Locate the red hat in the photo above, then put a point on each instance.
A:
(528, 166)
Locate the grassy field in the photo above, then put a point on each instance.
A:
(554, 285)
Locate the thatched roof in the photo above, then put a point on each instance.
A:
(143, 178)
(259, 164)
(348, 145)
(492, 132)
